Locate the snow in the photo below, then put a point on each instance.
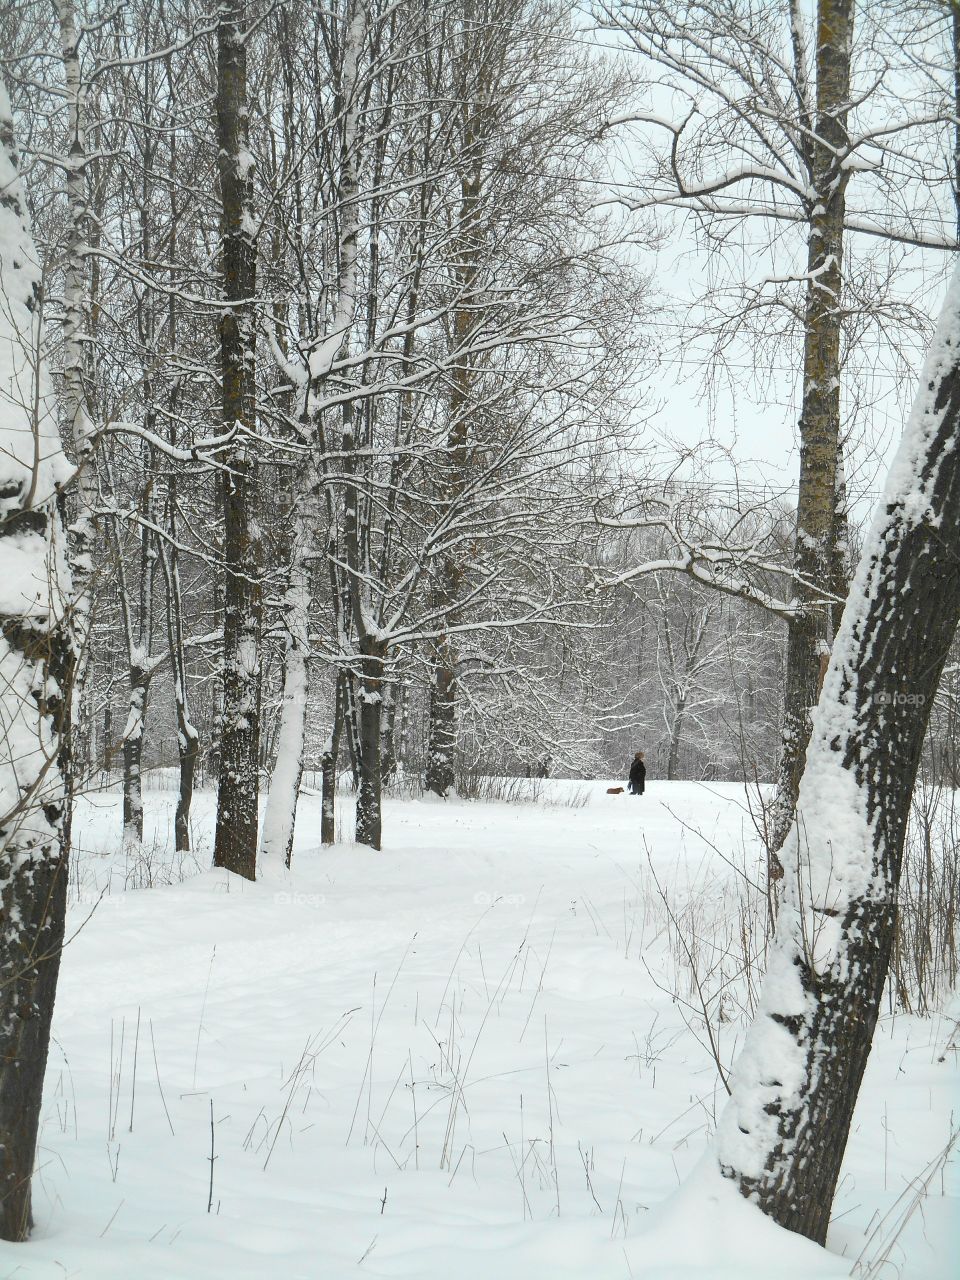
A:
(477, 1024)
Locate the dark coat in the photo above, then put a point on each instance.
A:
(638, 776)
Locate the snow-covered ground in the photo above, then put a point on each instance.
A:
(462, 1056)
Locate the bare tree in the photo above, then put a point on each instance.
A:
(689, 664)
(450, 344)
(76, 361)
(775, 136)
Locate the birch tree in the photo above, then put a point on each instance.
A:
(36, 659)
(77, 364)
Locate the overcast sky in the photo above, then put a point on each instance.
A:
(750, 410)
(756, 425)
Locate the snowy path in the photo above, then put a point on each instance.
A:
(459, 1057)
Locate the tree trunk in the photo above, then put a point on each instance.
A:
(442, 740)
(108, 744)
(401, 729)
(280, 814)
(370, 698)
(812, 628)
(351, 724)
(955, 34)
(794, 1089)
(132, 760)
(138, 633)
(474, 122)
(36, 667)
(188, 746)
(279, 820)
(188, 739)
(235, 843)
(676, 735)
(360, 720)
(388, 723)
(328, 768)
(442, 735)
(77, 372)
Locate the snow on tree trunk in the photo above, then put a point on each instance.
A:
(138, 631)
(280, 816)
(351, 724)
(795, 1085)
(188, 749)
(132, 760)
(280, 813)
(36, 658)
(811, 629)
(235, 843)
(77, 368)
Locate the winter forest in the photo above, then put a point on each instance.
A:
(412, 411)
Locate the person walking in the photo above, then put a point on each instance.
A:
(638, 775)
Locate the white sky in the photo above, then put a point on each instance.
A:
(755, 427)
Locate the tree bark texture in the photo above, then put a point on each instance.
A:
(812, 628)
(794, 1089)
(37, 655)
(235, 844)
(328, 767)
(450, 574)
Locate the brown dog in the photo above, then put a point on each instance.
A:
(614, 791)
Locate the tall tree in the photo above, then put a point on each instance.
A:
(36, 660)
(77, 363)
(767, 142)
(480, 37)
(818, 551)
(794, 1088)
(280, 811)
(235, 844)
